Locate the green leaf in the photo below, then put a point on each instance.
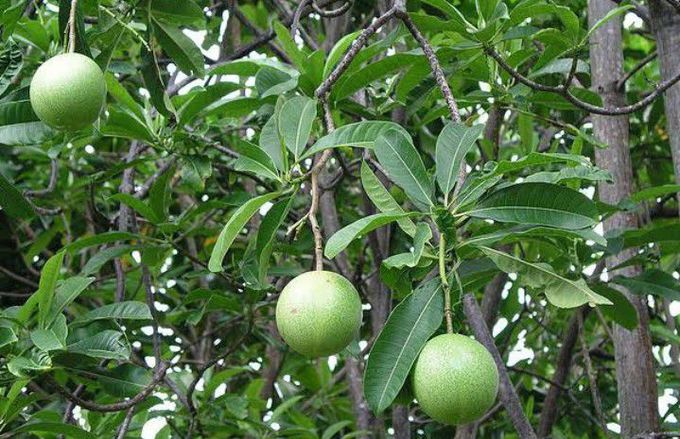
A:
(106, 344)
(538, 204)
(160, 195)
(404, 166)
(270, 81)
(20, 126)
(270, 142)
(406, 331)
(266, 234)
(123, 381)
(154, 83)
(655, 192)
(13, 202)
(411, 259)
(7, 337)
(96, 262)
(102, 238)
(538, 159)
(180, 48)
(560, 291)
(47, 285)
(129, 310)
(295, 123)
(46, 340)
(360, 134)
(66, 293)
(68, 430)
(254, 159)
(233, 227)
(185, 12)
(382, 199)
(343, 237)
(123, 123)
(621, 310)
(453, 143)
(652, 281)
(338, 51)
(609, 16)
(26, 366)
(138, 205)
(11, 60)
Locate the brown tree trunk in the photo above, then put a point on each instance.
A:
(637, 390)
(665, 21)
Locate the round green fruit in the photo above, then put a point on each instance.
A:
(318, 313)
(68, 91)
(455, 379)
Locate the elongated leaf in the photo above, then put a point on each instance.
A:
(295, 123)
(185, 12)
(343, 237)
(102, 238)
(180, 48)
(654, 192)
(411, 259)
(401, 161)
(538, 159)
(453, 143)
(46, 340)
(560, 291)
(360, 134)
(138, 205)
(234, 227)
(338, 51)
(66, 293)
(621, 311)
(68, 430)
(609, 16)
(7, 336)
(266, 234)
(271, 143)
(20, 126)
(656, 282)
(11, 60)
(106, 344)
(409, 326)
(129, 310)
(48, 283)
(13, 201)
(538, 204)
(382, 199)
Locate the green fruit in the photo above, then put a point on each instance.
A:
(68, 91)
(455, 379)
(318, 313)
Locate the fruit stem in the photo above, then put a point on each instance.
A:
(445, 284)
(72, 27)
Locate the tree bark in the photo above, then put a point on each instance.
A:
(665, 22)
(637, 390)
(666, 26)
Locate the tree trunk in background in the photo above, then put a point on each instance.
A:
(637, 390)
(665, 22)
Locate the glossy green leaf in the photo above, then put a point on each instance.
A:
(295, 123)
(20, 126)
(183, 51)
(453, 143)
(68, 430)
(560, 291)
(66, 293)
(538, 204)
(344, 237)
(382, 198)
(621, 310)
(656, 282)
(404, 166)
(48, 283)
(129, 310)
(13, 202)
(11, 61)
(359, 134)
(233, 228)
(185, 12)
(406, 331)
(412, 258)
(107, 344)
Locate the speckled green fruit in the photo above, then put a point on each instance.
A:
(68, 91)
(318, 313)
(455, 379)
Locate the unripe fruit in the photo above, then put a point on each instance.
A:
(318, 313)
(455, 379)
(68, 91)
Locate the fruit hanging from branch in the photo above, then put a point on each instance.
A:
(68, 92)
(319, 313)
(455, 379)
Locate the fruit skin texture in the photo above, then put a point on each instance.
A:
(455, 379)
(68, 91)
(318, 313)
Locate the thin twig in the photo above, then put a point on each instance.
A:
(52, 184)
(646, 60)
(592, 379)
(72, 27)
(116, 406)
(566, 93)
(125, 426)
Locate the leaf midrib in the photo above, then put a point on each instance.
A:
(427, 197)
